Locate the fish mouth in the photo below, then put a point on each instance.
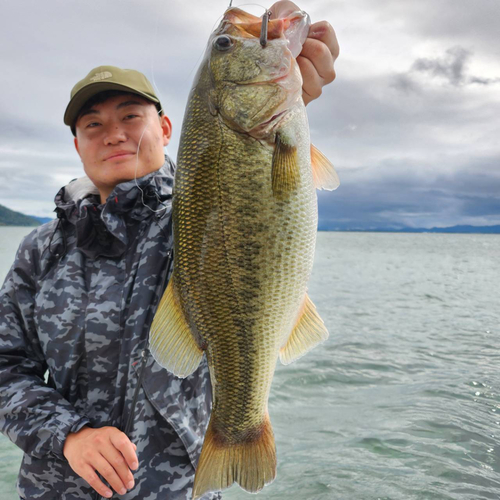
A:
(257, 81)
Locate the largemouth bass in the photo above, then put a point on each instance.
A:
(245, 222)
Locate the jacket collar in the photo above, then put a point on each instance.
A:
(101, 228)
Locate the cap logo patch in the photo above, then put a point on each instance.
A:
(101, 76)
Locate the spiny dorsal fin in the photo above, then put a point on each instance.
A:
(285, 170)
(324, 174)
(171, 341)
(308, 332)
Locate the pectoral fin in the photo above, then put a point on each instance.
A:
(309, 331)
(324, 174)
(285, 170)
(171, 341)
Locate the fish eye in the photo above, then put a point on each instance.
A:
(223, 43)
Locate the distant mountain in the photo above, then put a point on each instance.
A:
(465, 229)
(11, 218)
(452, 229)
(42, 220)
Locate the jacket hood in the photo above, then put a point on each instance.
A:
(101, 228)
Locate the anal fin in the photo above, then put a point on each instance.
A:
(171, 341)
(309, 331)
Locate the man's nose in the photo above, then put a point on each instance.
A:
(114, 134)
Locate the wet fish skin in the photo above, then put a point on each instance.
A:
(245, 218)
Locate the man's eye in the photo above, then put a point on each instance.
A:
(92, 124)
(131, 116)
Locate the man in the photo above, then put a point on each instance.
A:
(80, 298)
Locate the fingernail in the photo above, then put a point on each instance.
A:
(108, 494)
(122, 491)
(135, 465)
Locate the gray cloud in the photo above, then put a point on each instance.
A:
(447, 22)
(451, 66)
(394, 194)
(483, 81)
(405, 83)
(408, 149)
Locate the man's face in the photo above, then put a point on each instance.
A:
(107, 140)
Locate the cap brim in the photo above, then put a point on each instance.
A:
(84, 94)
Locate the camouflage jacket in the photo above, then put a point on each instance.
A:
(75, 310)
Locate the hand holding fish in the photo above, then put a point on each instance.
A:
(106, 450)
(319, 52)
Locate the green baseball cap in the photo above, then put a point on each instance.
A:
(107, 78)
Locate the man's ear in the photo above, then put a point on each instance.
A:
(166, 127)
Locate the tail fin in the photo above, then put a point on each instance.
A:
(252, 464)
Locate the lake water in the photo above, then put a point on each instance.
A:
(403, 400)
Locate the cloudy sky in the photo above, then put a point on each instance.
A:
(412, 122)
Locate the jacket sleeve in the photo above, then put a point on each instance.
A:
(33, 415)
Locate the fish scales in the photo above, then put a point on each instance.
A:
(241, 256)
(245, 218)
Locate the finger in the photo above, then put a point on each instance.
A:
(312, 82)
(108, 472)
(88, 473)
(321, 58)
(116, 460)
(282, 9)
(123, 444)
(324, 32)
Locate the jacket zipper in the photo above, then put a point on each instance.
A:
(144, 355)
(130, 419)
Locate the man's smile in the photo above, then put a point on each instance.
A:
(119, 154)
